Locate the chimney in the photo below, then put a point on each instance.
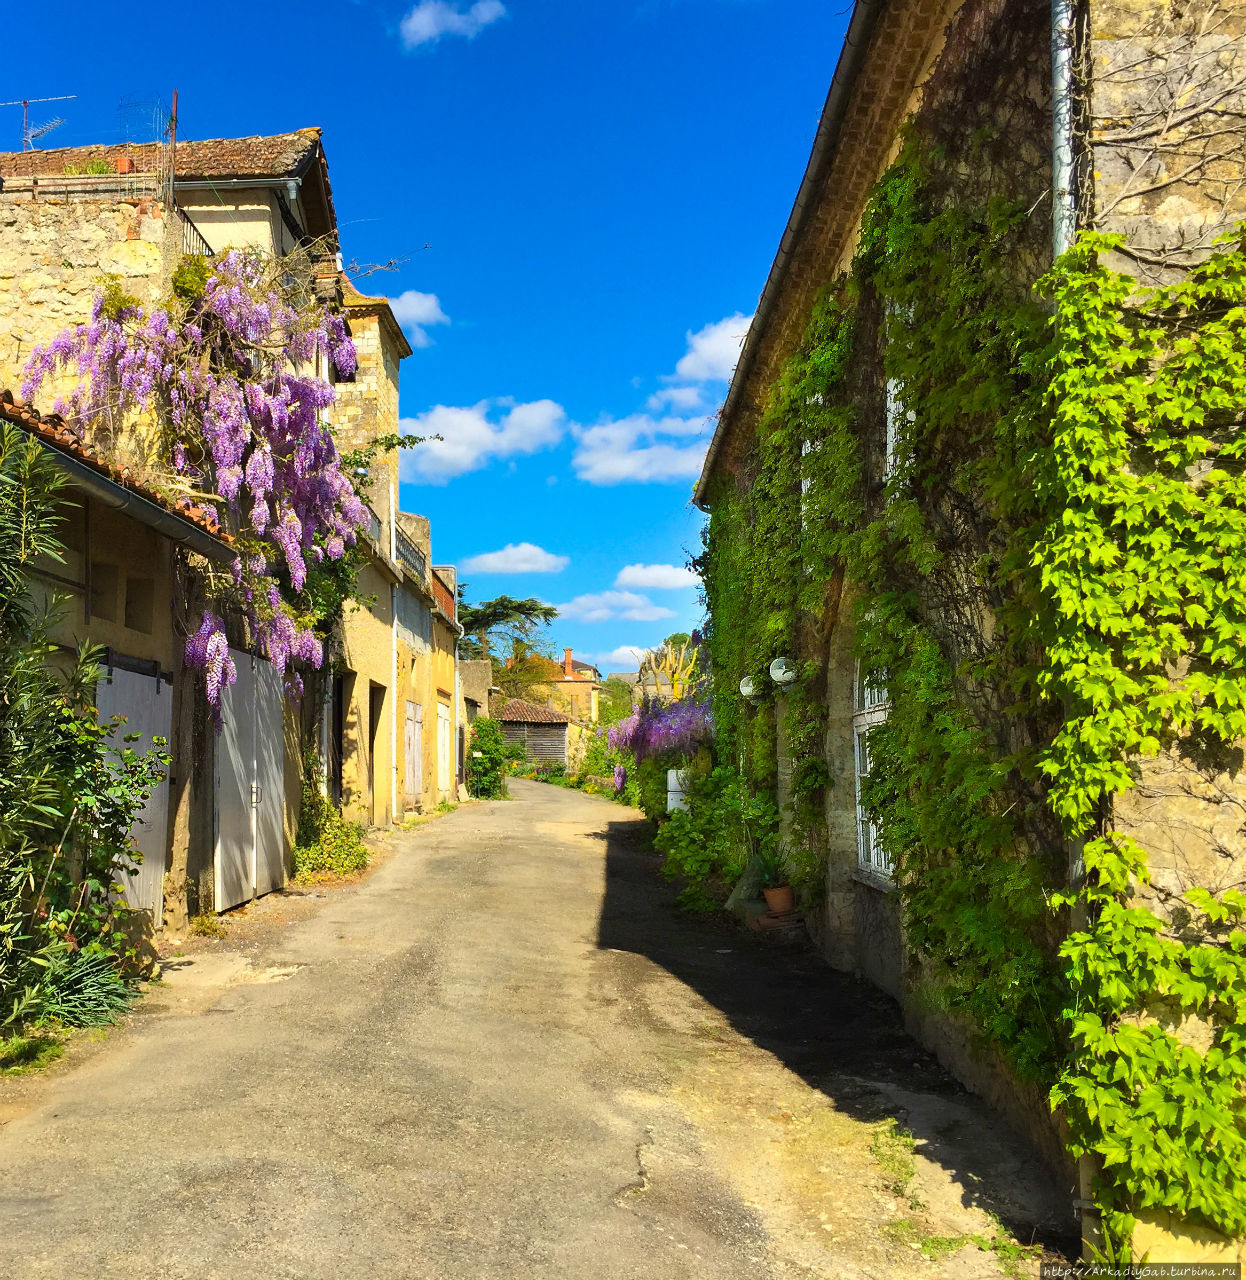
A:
(568, 669)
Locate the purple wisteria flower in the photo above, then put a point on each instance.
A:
(226, 372)
(654, 729)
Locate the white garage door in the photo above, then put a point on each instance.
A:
(147, 705)
(250, 767)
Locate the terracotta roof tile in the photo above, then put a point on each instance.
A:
(52, 430)
(517, 711)
(282, 155)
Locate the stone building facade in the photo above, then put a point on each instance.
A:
(1152, 115)
(69, 217)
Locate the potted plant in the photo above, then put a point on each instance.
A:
(776, 885)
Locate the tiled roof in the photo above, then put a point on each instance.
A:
(282, 155)
(51, 429)
(517, 711)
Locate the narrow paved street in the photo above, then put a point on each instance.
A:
(504, 1055)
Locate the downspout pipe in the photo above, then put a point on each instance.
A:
(1063, 233)
(1063, 172)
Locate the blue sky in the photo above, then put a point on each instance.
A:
(601, 185)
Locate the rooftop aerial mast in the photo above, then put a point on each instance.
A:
(31, 133)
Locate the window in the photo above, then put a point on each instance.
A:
(897, 417)
(869, 709)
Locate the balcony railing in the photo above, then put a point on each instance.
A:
(193, 241)
(411, 556)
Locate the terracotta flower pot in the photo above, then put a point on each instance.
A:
(780, 900)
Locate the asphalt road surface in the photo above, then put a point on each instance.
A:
(503, 1054)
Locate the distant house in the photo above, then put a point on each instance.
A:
(542, 730)
(575, 688)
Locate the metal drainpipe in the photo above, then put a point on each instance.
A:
(1063, 207)
(1063, 232)
(393, 702)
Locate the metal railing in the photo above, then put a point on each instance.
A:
(411, 556)
(193, 241)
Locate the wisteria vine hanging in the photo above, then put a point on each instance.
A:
(230, 369)
(653, 729)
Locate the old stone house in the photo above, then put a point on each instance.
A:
(394, 712)
(69, 215)
(876, 494)
(576, 689)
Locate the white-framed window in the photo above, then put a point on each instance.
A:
(896, 416)
(870, 707)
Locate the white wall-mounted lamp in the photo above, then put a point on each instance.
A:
(747, 688)
(783, 671)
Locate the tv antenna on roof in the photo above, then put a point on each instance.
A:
(32, 132)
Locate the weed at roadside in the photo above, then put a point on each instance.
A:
(893, 1149)
(209, 926)
(21, 1054)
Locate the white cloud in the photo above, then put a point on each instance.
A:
(516, 557)
(656, 577)
(627, 657)
(675, 398)
(642, 449)
(713, 351)
(414, 311)
(606, 605)
(471, 437)
(432, 19)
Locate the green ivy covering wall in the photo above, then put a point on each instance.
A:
(1050, 582)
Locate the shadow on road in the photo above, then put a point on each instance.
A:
(842, 1036)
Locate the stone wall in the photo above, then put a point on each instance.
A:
(54, 253)
(1167, 123)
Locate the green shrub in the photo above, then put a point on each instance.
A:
(724, 827)
(83, 989)
(339, 851)
(487, 756)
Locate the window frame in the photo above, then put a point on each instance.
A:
(871, 706)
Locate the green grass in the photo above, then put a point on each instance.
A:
(1012, 1255)
(21, 1054)
(893, 1149)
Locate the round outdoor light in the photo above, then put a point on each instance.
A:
(783, 671)
(747, 687)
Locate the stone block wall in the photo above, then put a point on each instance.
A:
(1167, 122)
(54, 253)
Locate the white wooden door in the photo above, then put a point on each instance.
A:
(235, 777)
(444, 742)
(413, 748)
(147, 705)
(270, 840)
(250, 780)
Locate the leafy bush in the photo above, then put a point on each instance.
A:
(84, 989)
(69, 792)
(724, 828)
(487, 756)
(339, 850)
